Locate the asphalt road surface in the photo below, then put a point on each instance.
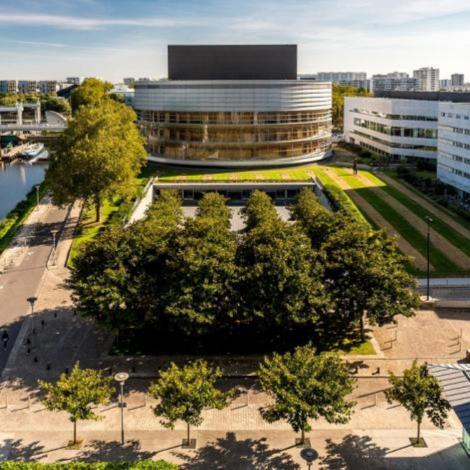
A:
(24, 281)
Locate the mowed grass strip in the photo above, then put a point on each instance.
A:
(442, 264)
(462, 221)
(445, 230)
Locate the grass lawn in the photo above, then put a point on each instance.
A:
(441, 227)
(442, 264)
(362, 349)
(298, 173)
(464, 222)
(88, 228)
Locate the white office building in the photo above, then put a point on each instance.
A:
(395, 81)
(428, 79)
(395, 128)
(453, 159)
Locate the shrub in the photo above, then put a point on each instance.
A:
(137, 465)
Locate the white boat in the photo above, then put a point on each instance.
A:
(32, 152)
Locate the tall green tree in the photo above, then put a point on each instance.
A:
(420, 394)
(92, 92)
(98, 155)
(280, 276)
(306, 385)
(120, 277)
(184, 392)
(76, 393)
(339, 93)
(202, 269)
(364, 272)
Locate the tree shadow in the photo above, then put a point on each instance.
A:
(99, 450)
(231, 454)
(16, 451)
(353, 452)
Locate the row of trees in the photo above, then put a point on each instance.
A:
(316, 277)
(339, 93)
(305, 386)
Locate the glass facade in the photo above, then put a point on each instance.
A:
(236, 135)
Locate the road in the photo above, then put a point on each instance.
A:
(23, 281)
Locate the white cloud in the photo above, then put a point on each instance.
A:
(82, 23)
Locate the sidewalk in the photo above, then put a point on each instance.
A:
(351, 449)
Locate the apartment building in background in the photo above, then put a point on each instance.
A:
(356, 79)
(8, 86)
(48, 87)
(428, 79)
(129, 81)
(75, 80)
(27, 86)
(395, 81)
(457, 80)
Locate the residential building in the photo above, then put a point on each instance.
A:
(75, 80)
(395, 128)
(453, 158)
(27, 86)
(129, 81)
(234, 106)
(428, 79)
(356, 79)
(48, 87)
(8, 86)
(395, 81)
(457, 79)
(445, 84)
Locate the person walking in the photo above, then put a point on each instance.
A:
(355, 166)
(5, 338)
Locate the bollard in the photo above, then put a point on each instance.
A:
(35, 359)
(28, 341)
(55, 314)
(48, 367)
(43, 322)
(28, 350)
(133, 369)
(66, 371)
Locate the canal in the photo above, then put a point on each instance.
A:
(16, 181)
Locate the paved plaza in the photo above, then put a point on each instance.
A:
(236, 438)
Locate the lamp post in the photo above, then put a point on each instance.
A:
(429, 221)
(32, 301)
(37, 186)
(121, 378)
(54, 233)
(309, 455)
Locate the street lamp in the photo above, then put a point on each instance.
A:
(309, 455)
(121, 377)
(54, 233)
(429, 221)
(32, 301)
(37, 186)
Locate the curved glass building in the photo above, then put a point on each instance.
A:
(234, 122)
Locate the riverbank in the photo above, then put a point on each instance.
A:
(16, 217)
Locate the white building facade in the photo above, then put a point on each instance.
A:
(395, 128)
(395, 81)
(453, 160)
(428, 79)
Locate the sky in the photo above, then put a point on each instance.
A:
(113, 39)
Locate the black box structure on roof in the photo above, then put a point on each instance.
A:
(253, 62)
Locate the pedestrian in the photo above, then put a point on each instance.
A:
(5, 338)
(355, 166)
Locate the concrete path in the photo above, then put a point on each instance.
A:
(24, 279)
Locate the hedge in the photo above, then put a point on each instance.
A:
(137, 465)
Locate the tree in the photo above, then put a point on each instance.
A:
(280, 277)
(92, 92)
(119, 278)
(306, 385)
(339, 93)
(184, 393)
(364, 273)
(202, 269)
(98, 156)
(76, 393)
(420, 394)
